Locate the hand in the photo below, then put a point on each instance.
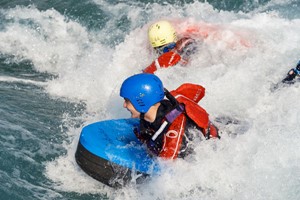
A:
(152, 147)
(290, 76)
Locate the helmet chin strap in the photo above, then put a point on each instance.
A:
(171, 98)
(142, 116)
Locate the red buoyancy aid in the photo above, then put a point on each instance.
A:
(170, 58)
(173, 138)
(189, 95)
(191, 91)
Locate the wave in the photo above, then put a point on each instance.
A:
(20, 80)
(90, 55)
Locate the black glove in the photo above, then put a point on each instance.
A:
(153, 147)
(290, 76)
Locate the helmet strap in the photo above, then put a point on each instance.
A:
(142, 116)
(171, 98)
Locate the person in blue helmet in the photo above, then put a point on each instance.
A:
(165, 117)
(292, 74)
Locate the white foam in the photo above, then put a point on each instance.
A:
(263, 162)
(21, 80)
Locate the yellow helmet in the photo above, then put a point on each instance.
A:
(161, 33)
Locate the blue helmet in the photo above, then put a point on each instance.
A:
(143, 91)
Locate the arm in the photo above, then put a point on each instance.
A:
(291, 75)
(144, 134)
(164, 61)
(186, 47)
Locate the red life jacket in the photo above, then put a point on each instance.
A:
(170, 58)
(173, 138)
(188, 95)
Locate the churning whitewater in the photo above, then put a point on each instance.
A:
(62, 66)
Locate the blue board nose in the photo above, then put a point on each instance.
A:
(114, 142)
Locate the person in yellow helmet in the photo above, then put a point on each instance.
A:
(171, 50)
(161, 33)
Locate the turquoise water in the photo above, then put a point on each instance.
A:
(62, 62)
